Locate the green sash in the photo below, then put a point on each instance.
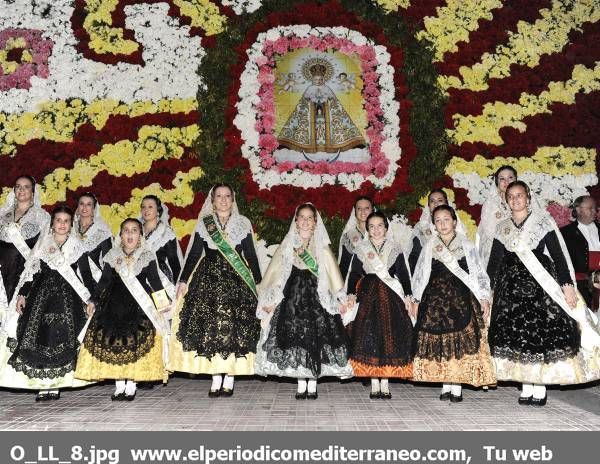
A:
(310, 262)
(232, 256)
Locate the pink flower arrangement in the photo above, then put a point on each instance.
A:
(38, 49)
(378, 163)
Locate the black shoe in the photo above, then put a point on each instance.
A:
(301, 396)
(525, 400)
(227, 392)
(539, 401)
(456, 398)
(445, 396)
(118, 396)
(375, 395)
(312, 396)
(53, 395)
(386, 396)
(41, 397)
(214, 393)
(130, 397)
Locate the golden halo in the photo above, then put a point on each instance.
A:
(321, 61)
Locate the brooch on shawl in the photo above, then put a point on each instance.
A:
(211, 228)
(439, 248)
(498, 214)
(52, 249)
(371, 255)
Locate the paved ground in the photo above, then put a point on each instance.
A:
(269, 405)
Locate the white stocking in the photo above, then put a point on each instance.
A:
(301, 385)
(228, 382)
(119, 387)
(216, 383)
(527, 390)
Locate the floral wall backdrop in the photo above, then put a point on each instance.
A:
(126, 98)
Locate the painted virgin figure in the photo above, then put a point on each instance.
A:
(319, 123)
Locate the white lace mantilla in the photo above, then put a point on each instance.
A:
(389, 254)
(35, 221)
(160, 236)
(135, 264)
(94, 236)
(530, 235)
(351, 239)
(475, 278)
(54, 256)
(237, 229)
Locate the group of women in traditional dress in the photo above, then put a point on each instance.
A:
(79, 307)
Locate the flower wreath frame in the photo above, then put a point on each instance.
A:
(423, 138)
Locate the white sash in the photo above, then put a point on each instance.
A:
(443, 254)
(380, 270)
(12, 231)
(96, 271)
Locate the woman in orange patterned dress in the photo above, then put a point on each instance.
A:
(382, 331)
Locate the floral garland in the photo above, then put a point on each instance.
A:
(378, 93)
(228, 103)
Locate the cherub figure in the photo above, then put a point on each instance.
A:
(346, 82)
(288, 82)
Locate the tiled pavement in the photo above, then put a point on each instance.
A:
(269, 405)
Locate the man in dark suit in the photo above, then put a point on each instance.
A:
(581, 237)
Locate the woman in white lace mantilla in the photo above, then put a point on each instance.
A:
(540, 331)
(381, 330)
(93, 231)
(22, 222)
(215, 329)
(454, 301)
(39, 334)
(424, 229)
(493, 211)
(354, 231)
(161, 238)
(126, 337)
(299, 301)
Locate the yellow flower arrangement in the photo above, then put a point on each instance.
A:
(203, 14)
(181, 195)
(546, 36)
(107, 39)
(124, 158)
(556, 161)
(57, 121)
(393, 5)
(454, 22)
(486, 127)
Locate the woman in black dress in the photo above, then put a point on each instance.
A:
(299, 301)
(354, 231)
(450, 342)
(215, 329)
(127, 335)
(22, 222)
(538, 335)
(161, 238)
(93, 232)
(381, 334)
(40, 345)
